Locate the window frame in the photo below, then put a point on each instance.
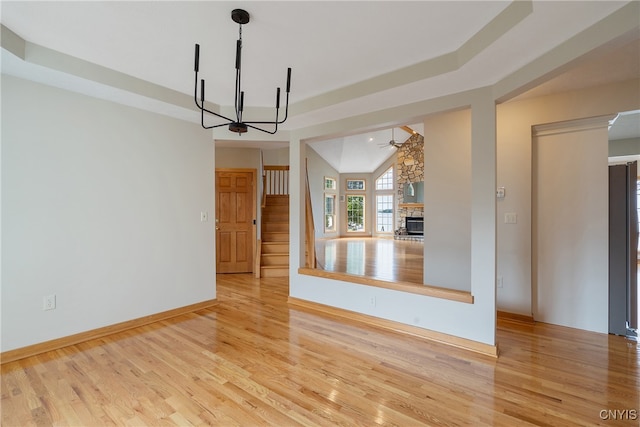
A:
(364, 211)
(333, 215)
(388, 190)
(357, 183)
(393, 213)
(330, 183)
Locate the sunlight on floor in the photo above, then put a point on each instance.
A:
(383, 259)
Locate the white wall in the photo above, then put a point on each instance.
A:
(276, 156)
(624, 147)
(100, 206)
(570, 224)
(228, 157)
(515, 122)
(447, 211)
(475, 321)
(318, 170)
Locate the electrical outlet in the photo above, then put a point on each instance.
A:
(372, 301)
(49, 302)
(499, 282)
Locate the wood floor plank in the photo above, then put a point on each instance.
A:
(254, 360)
(386, 259)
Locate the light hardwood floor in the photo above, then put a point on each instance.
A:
(255, 360)
(382, 259)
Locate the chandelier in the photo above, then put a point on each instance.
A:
(237, 124)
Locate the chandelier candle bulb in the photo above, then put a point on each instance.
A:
(238, 49)
(277, 98)
(197, 64)
(288, 80)
(202, 92)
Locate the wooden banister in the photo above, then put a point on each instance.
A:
(257, 259)
(276, 180)
(264, 190)
(310, 230)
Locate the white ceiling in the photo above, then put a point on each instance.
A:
(348, 58)
(625, 126)
(364, 152)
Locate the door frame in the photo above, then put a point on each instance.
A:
(254, 174)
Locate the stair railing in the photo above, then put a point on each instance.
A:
(276, 180)
(310, 229)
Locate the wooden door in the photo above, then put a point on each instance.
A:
(235, 214)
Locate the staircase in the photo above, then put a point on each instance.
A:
(274, 250)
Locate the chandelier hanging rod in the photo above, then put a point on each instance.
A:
(238, 125)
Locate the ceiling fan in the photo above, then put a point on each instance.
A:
(392, 143)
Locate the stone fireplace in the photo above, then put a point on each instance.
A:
(410, 169)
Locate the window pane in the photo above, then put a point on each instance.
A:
(355, 213)
(355, 184)
(329, 183)
(385, 181)
(330, 212)
(384, 213)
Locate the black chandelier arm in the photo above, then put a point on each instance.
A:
(195, 94)
(239, 110)
(202, 110)
(286, 111)
(288, 89)
(196, 68)
(265, 122)
(263, 130)
(275, 122)
(201, 107)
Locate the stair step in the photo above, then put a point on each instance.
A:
(275, 247)
(278, 211)
(273, 260)
(275, 226)
(277, 199)
(275, 236)
(275, 215)
(275, 271)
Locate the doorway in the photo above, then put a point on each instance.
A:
(623, 249)
(570, 260)
(235, 220)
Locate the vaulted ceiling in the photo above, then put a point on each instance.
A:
(348, 58)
